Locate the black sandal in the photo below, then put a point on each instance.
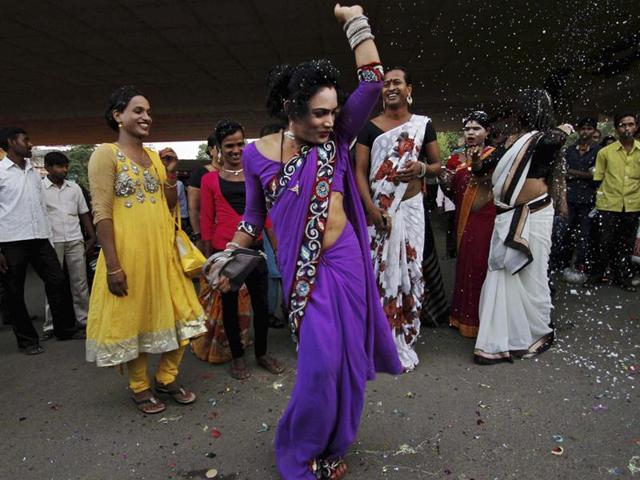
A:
(32, 350)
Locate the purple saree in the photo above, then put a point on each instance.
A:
(334, 304)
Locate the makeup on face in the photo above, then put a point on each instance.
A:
(231, 148)
(136, 117)
(317, 125)
(395, 89)
(474, 133)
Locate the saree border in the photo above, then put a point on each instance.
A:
(311, 245)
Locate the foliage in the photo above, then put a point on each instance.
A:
(78, 162)
(447, 142)
(202, 153)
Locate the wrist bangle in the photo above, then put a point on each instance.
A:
(115, 272)
(232, 244)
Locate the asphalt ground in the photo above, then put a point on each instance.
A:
(62, 418)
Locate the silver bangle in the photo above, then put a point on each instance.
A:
(358, 31)
(232, 244)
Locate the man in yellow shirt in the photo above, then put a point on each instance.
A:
(618, 203)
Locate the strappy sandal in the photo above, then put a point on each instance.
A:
(179, 394)
(270, 364)
(148, 403)
(239, 369)
(328, 470)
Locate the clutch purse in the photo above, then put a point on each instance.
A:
(236, 265)
(191, 259)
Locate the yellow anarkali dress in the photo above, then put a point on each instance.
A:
(161, 311)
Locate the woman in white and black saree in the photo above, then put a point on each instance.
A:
(515, 303)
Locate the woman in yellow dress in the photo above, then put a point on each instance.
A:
(141, 300)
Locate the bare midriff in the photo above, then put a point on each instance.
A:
(335, 222)
(413, 188)
(533, 188)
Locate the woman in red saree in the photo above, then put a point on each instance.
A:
(471, 191)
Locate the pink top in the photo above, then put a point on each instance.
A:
(218, 219)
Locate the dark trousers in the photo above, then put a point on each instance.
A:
(614, 239)
(256, 283)
(572, 234)
(42, 257)
(452, 234)
(5, 314)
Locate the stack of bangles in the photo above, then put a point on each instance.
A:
(171, 177)
(358, 31)
(115, 272)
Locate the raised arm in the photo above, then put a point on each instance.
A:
(359, 105)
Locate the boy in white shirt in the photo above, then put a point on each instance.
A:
(67, 210)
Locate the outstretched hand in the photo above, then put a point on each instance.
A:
(344, 14)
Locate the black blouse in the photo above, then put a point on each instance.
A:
(371, 131)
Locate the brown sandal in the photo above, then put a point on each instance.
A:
(148, 403)
(179, 394)
(239, 369)
(270, 364)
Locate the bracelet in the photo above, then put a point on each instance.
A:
(358, 31)
(423, 170)
(232, 244)
(115, 272)
(168, 185)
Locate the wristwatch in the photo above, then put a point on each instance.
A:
(195, 237)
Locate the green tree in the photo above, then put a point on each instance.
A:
(202, 153)
(447, 142)
(78, 162)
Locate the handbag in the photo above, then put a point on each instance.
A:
(236, 265)
(191, 258)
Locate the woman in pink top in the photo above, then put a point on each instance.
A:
(222, 202)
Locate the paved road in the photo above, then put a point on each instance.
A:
(450, 419)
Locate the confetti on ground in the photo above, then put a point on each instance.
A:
(173, 418)
(557, 451)
(212, 473)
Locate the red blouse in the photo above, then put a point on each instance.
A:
(218, 220)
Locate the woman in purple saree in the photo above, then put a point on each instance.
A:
(304, 179)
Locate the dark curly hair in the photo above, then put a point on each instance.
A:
(224, 128)
(297, 84)
(533, 109)
(118, 101)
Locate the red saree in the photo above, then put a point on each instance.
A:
(474, 239)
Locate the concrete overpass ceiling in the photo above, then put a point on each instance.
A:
(200, 61)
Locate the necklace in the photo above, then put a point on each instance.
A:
(234, 172)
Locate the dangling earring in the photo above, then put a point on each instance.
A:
(120, 124)
(409, 100)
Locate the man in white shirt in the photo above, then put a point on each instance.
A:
(67, 209)
(24, 239)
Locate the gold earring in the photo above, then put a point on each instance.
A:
(120, 124)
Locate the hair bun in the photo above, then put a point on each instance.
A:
(278, 90)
